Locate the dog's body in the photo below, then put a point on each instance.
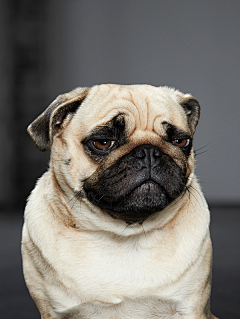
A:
(118, 227)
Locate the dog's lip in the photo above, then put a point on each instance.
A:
(146, 186)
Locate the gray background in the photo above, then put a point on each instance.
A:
(52, 46)
(193, 46)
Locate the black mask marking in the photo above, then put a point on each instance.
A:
(139, 184)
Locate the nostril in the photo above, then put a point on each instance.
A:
(156, 152)
(140, 153)
(138, 165)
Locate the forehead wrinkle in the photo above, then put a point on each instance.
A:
(148, 124)
(155, 110)
(150, 108)
(171, 112)
(143, 113)
(141, 104)
(123, 102)
(123, 105)
(134, 111)
(127, 100)
(147, 110)
(158, 121)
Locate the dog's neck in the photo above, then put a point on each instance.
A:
(76, 212)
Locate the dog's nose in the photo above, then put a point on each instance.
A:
(148, 155)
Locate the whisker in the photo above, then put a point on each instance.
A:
(75, 202)
(124, 229)
(200, 195)
(76, 197)
(120, 235)
(202, 147)
(130, 225)
(101, 197)
(144, 231)
(93, 200)
(196, 154)
(189, 195)
(189, 198)
(181, 195)
(190, 186)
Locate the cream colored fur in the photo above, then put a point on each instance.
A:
(81, 263)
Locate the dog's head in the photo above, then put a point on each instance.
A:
(126, 149)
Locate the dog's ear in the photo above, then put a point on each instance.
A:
(49, 122)
(192, 110)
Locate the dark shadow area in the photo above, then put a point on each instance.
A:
(17, 303)
(15, 299)
(226, 262)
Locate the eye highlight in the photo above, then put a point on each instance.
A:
(181, 142)
(103, 145)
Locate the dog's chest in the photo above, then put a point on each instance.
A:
(101, 273)
(100, 269)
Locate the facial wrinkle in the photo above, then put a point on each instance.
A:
(135, 103)
(157, 126)
(140, 104)
(149, 125)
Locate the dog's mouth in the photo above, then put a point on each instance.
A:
(139, 184)
(136, 206)
(145, 194)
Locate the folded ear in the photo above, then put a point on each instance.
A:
(49, 122)
(192, 110)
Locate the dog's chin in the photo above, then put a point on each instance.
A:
(135, 207)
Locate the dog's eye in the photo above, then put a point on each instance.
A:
(181, 142)
(103, 144)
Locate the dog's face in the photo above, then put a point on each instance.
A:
(126, 149)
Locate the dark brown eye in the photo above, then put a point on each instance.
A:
(103, 144)
(181, 142)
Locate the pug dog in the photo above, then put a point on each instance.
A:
(118, 227)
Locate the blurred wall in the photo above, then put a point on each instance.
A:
(6, 136)
(191, 45)
(23, 82)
